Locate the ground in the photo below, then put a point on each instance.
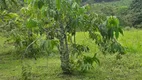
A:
(128, 67)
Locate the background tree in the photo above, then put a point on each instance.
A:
(98, 0)
(136, 13)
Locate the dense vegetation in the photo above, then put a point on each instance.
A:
(136, 12)
(73, 35)
(99, 0)
(128, 12)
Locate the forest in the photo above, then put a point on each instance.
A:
(70, 39)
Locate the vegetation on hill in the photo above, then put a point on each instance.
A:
(99, 0)
(135, 11)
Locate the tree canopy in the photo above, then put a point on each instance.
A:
(136, 12)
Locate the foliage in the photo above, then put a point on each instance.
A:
(11, 5)
(79, 61)
(109, 32)
(119, 9)
(99, 0)
(136, 11)
(105, 0)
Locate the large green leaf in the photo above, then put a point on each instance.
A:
(120, 30)
(110, 33)
(116, 33)
(40, 4)
(13, 15)
(58, 4)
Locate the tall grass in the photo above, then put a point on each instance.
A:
(132, 41)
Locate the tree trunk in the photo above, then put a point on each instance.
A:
(64, 53)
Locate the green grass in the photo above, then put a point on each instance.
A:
(132, 40)
(129, 67)
(5, 47)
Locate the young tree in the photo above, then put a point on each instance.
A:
(60, 19)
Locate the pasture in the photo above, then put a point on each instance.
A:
(128, 67)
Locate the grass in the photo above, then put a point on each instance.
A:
(3, 47)
(129, 67)
(132, 41)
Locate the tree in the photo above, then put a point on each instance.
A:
(59, 20)
(136, 13)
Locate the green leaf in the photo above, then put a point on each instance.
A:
(110, 33)
(112, 21)
(96, 59)
(116, 21)
(74, 5)
(120, 30)
(116, 34)
(31, 23)
(13, 15)
(40, 4)
(28, 1)
(14, 2)
(35, 4)
(78, 1)
(58, 4)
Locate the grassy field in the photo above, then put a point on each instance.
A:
(129, 67)
(132, 40)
